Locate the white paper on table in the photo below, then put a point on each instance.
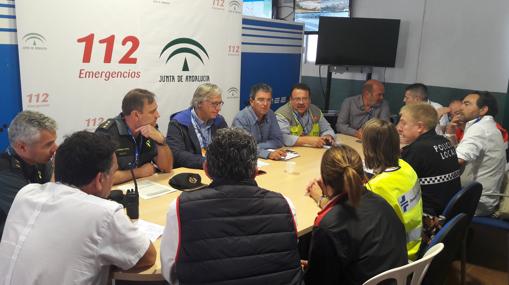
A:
(260, 163)
(148, 189)
(289, 154)
(153, 231)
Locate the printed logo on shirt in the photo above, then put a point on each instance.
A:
(446, 150)
(410, 199)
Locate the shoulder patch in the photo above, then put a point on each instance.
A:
(107, 124)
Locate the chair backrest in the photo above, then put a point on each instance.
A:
(417, 269)
(3, 218)
(451, 236)
(465, 201)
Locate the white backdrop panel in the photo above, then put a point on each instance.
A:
(71, 55)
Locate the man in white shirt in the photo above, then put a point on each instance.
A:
(417, 93)
(66, 232)
(231, 232)
(482, 150)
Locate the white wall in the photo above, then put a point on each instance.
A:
(453, 43)
(465, 43)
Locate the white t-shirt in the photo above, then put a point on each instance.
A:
(56, 234)
(483, 150)
(170, 239)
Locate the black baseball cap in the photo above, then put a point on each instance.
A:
(187, 182)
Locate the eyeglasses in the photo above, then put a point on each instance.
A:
(262, 100)
(301, 99)
(216, 104)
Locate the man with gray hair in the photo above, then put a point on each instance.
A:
(232, 232)
(190, 131)
(32, 137)
(261, 122)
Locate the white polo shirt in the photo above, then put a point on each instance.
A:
(483, 150)
(56, 234)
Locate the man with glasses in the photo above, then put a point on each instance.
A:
(190, 131)
(357, 110)
(260, 121)
(301, 122)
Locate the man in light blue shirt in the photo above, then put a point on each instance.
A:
(259, 120)
(303, 123)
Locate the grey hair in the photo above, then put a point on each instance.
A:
(27, 125)
(203, 92)
(259, 87)
(232, 155)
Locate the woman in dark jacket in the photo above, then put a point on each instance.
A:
(356, 235)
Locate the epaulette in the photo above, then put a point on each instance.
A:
(107, 124)
(9, 162)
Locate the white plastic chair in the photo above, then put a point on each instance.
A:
(417, 268)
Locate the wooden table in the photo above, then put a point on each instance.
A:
(276, 179)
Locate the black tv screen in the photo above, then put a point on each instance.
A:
(357, 41)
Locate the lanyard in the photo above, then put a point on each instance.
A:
(258, 124)
(370, 113)
(137, 148)
(304, 126)
(204, 141)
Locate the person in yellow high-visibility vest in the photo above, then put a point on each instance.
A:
(393, 178)
(301, 122)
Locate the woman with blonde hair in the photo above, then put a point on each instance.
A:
(393, 178)
(356, 235)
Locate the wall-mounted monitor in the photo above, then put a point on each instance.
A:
(257, 8)
(309, 11)
(357, 41)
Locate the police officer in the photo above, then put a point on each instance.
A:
(32, 137)
(140, 144)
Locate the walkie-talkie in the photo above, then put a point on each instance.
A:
(132, 200)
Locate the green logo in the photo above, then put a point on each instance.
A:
(234, 5)
(232, 92)
(34, 39)
(185, 46)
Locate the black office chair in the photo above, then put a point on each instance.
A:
(3, 217)
(465, 201)
(451, 235)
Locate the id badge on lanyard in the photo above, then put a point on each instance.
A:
(137, 148)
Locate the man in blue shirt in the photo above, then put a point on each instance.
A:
(260, 121)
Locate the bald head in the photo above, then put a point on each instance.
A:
(373, 92)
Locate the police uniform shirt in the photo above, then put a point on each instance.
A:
(434, 160)
(128, 145)
(15, 174)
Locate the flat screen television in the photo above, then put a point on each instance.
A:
(257, 8)
(357, 41)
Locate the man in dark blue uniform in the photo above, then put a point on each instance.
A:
(140, 144)
(32, 137)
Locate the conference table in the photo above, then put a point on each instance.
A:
(292, 185)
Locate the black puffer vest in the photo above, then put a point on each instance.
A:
(236, 233)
